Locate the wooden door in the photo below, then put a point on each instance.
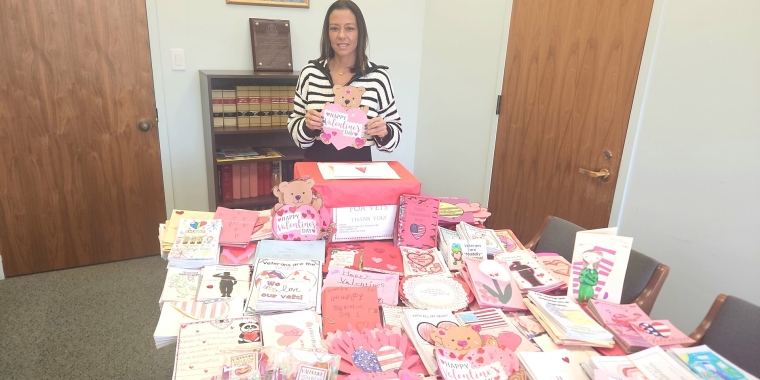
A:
(569, 81)
(79, 182)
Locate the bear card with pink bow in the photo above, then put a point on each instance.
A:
(417, 225)
(600, 260)
(344, 122)
(295, 217)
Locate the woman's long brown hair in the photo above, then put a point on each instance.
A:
(326, 51)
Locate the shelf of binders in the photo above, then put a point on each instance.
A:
(289, 153)
(275, 129)
(262, 200)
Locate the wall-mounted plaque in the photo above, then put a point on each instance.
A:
(270, 41)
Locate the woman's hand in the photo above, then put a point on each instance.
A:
(377, 127)
(313, 120)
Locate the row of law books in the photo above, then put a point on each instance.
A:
(252, 107)
(243, 180)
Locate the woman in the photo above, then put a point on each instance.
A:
(343, 61)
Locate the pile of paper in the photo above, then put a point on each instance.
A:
(169, 234)
(652, 363)
(237, 226)
(566, 322)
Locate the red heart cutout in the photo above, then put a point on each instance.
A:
(303, 215)
(210, 286)
(451, 355)
(293, 209)
(566, 360)
(180, 212)
(282, 211)
(479, 360)
(481, 351)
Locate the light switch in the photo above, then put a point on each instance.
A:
(178, 59)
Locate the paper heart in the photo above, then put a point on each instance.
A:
(390, 358)
(566, 360)
(366, 361)
(359, 142)
(391, 267)
(377, 260)
(420, 259)
(290, 334)
(293, 209)
(417, 230)
(210, 286)
(192, 366)
(325, 137)
(179, 212)
(282, 211)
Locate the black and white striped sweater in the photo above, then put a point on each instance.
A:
(315, 89)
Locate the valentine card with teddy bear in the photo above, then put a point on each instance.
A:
(296, 215)
(344, 121)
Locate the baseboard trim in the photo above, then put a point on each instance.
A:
(2, 273)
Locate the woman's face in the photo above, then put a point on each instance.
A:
(592, 257)
(344, 34)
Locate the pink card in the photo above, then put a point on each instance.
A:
(492, 284)
(236, 234)
(231, 215)
(237, 255)
(660, 332)
(382, 257)
(417, 222)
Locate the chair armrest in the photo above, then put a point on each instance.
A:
(532, 243)
(648, 296)
(699, 333)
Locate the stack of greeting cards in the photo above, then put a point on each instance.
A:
(423, 328)
(566, 322)
(237, 226)
(708, 364)
(652, 363)
(417, 222)
(169, 235)
(197, 243)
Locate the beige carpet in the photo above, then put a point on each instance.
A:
(93, 322)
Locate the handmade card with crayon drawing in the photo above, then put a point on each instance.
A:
(354, 306)
(422, 261)
(344, 255)
(600, 260)
(417, 222)
(387, 284)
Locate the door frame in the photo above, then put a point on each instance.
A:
(659, 7)
(161, 113)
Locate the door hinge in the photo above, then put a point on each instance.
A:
(498, 104)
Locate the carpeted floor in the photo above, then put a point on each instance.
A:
(93, 322)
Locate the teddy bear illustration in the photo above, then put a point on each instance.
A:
(350, 97)
(296, 193)
(461, 338)
(249, 333)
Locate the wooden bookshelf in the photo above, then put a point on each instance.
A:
(275, 136)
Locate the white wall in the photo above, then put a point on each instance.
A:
(691, 199)
(216, 36)
(462, 62)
